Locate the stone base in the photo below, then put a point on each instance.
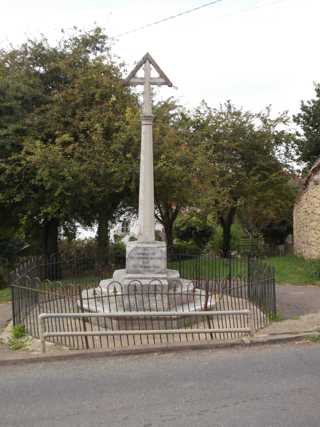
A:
(145, 285)
(125, 279)
(113, 297)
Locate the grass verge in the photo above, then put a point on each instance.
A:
(295, 270)
(314, 338)
(5, 295)
(19, 339)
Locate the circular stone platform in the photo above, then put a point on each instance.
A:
(177, 295)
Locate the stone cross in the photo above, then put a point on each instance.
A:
(146, 185)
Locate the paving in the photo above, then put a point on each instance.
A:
(295, 300)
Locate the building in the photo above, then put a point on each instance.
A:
(306, 216)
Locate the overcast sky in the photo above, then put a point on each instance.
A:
(253, 52)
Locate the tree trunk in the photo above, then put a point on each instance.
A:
(226, 223)
(167, 216)
(50, 249)
(168, 228)
(103, 240)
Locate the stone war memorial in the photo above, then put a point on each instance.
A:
(153, 298)
(146, 271)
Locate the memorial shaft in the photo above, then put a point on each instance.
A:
(146, 184)
(146, 187)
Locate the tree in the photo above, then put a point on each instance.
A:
(192, 227)
(308, 143)
(69, 113)
(107, 179)
(17, 96)
(175, 166)
(241, 153)
(174, 163)
(273, 219)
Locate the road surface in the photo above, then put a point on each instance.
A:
(266, 386)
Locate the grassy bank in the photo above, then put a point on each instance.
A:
(289, 269)
(295, 270)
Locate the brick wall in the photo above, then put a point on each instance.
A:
(306, 218)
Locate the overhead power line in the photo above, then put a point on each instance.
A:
(168, 18)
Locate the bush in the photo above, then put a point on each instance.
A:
(237, 235)
(19, 339)
(86, 248)
(18, 331)
(215, 243)
(118, 250)
(184, 247)
(193, 229)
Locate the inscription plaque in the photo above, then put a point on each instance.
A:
(146, 259)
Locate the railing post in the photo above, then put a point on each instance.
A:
(13, 305)
(41, 332)
(179, 264)
(274, 297)
(251, 323)
(230, 274)
(83, 319)
(249, 284)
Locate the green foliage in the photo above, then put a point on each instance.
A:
(88, 248)
(216, 241)
(10, 247)
(84, 248)
(191, 227)
(70, 143)
(63, 112)
(308, 142)
(5, 295)
(276, 317)
(313, 268)
(314, 338)
(18, 331)
(275, 232)
(241, 168)
(17, 344)
(19, 339)
(237, 236)
(185, 247)
(118, 250)
(205, 267)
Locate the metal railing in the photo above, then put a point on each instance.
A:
(217, 285)
(45, 334)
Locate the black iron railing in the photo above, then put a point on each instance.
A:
(210, 284)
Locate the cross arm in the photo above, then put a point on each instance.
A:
(135, 81)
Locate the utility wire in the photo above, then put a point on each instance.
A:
(168, 18)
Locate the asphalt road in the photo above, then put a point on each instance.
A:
(267, 386)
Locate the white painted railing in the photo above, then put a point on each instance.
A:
(140, 314)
